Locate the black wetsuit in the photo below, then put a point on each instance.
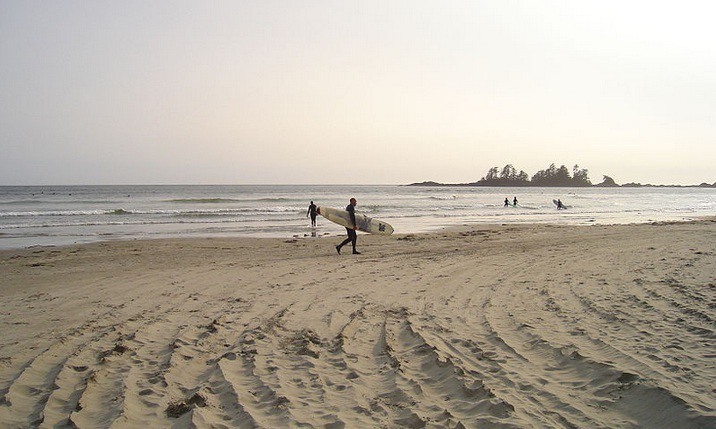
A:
(312, 212)
(352, 236)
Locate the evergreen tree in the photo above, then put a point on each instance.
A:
(523, 178)
(508, 173)
(492, 174)
(563, 178)
(580, 177)
(552, 176)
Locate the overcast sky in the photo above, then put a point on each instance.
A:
(364, 92)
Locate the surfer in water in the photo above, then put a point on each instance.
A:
(507, 202)
(514, 202)
(312, 212)
(560, 205)
(352, 235)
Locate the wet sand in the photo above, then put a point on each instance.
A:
(489, 326)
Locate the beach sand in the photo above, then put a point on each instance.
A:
(488, 326)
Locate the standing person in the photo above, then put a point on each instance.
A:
(352, 235)
(514, 202)
(312, 212)
(559, 205)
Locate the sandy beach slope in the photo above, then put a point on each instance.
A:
(503, 326)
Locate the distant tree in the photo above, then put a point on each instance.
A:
(563, 176)
(541, 177)
(507, 176)
(492, 174)
(580, 177)
(523, 178)
(550, 176)
(508, 173)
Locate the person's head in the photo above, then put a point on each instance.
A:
(353, 202)
(311, 202)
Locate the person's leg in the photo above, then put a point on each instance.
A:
(346, 241)
(354, 239)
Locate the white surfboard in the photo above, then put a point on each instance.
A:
(363, 222)
(556, 203)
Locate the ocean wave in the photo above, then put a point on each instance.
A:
(63, 213)
(442, 197)
(156, 212)
(225, 212)
(56, 201)
(21, 202)
(231, 200)
(120, 212)
(164, 221)
(204, 200)
(51, 213)
(274, 199)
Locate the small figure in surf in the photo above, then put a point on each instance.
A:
(507, 202)
(560, 205)
(312, 212)
(352, 235)
(514, 202)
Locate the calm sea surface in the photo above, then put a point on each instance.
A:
(59, 215)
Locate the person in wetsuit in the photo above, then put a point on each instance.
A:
(352, 235)
(312, 212)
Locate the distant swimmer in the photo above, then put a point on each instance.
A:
(312, 212)
(507, 202)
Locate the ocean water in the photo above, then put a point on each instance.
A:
(60, 215)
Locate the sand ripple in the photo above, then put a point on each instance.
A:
(602, 327)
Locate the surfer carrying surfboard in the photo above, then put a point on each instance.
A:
(352, 235)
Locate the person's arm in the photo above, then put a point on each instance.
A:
(353, 217)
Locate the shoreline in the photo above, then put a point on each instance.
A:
(314, 233)
(514, 325)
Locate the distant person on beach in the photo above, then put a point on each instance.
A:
(352, 235)
(514, 202)
(507, 202)
(559, 204)
(312, 212)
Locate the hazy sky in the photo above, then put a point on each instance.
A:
(354, 92)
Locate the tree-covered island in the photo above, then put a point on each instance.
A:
(552, 176)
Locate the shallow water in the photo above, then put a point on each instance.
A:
(70, 214)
